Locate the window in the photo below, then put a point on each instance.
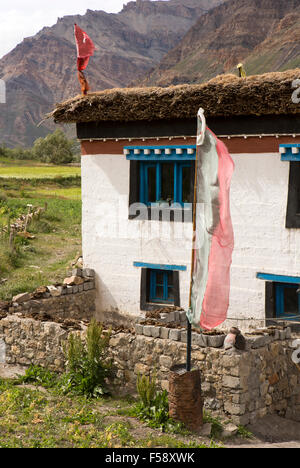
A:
(162, 187)
(287, 301)
(283, 302)
(161, 182)
(159, 288)
(165, 182)
(293, 208)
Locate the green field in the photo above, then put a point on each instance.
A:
(45, 259)
(38, 171)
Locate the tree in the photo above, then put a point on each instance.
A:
(55, 148)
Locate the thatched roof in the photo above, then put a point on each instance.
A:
(225, 95)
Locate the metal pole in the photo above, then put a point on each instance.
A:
(189, 347)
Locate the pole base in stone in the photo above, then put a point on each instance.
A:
(185, 399)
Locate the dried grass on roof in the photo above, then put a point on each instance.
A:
(225, 95)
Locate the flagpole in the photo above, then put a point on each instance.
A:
(189, 326)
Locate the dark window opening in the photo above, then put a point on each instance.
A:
(283, 303)
(159, 288)
(293, 208)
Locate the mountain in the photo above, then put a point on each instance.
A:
(42, 69)
(263, 34)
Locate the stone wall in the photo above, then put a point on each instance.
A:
(241, 385)
(74, 299)
(71, 305)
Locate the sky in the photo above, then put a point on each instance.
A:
(24, 18)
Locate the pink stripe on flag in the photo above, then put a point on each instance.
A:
(216, 298)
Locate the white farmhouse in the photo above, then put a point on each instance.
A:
(138, 157)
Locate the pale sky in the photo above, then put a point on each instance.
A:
(24, 18)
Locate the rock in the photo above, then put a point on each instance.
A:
(88, 273)
(183, 316)
(229, 430)
(139, 329)
(20, 298)
(55, 292)
(77, 272)
(273, 379)
(205, 430)
(155, 332)
(199, 340)
(74, 281)
(40, 292)
(183, 336)
(175, 335)
(147, 330)
(4, 305)
(164, 333)
(231, 382)
(261, 341)
(215, 341)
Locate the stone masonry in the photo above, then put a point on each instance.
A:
(240, 385)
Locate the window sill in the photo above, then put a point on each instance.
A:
(151, 306)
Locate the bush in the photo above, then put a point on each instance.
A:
(87, 366)
(55, 148)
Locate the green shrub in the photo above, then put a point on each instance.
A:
(87, 366)
(146, 387)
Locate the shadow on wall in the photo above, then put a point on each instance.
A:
(107, 310)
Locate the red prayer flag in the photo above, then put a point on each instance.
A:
(214, 233)
(85, 48)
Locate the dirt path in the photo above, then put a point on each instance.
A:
(265, 445)
(11, 372)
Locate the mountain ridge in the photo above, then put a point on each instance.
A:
(264, 34)
(42, 69)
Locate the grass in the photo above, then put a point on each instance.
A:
(45, 259)
(30, 170)
(32, 417)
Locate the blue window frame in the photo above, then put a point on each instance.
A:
(287, 301)
(161, 287)
(162, 181)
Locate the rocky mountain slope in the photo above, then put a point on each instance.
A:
(263, 34)
(42, 69)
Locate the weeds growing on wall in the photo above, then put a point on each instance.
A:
(87, 366)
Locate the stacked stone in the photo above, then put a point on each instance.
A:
(74, 299)
(240, 385)
(180, 334)
(26, 341)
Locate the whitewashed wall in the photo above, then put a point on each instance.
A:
(262, 243)
(111, 242)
